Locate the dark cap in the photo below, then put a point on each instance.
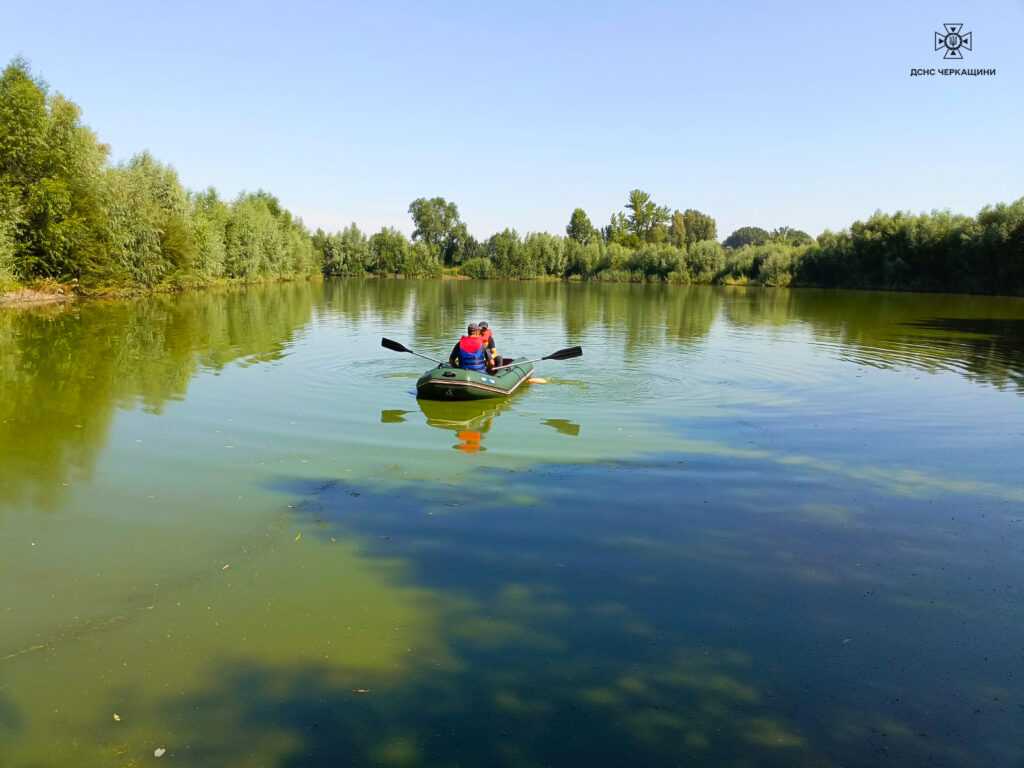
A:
(472, 327)
(483, 325)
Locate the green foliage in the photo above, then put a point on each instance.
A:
(344, 253)
(7, 231)
(790, 236)
(778, 266)
(422, 260)
(263, 241)
(66, 214)
(705, 260)
(545, 254)
(461, 246)
(656, 261)
(747, 236)
(389, 252)
(150, 234)
(998, 248)
(580, 229)
(478, 268)
(769, 264)
(585, 260)
(508, 256)
(677, 230)
(50, 181)
(133, 231)
(679, 277)
(645, 219)
(209, 230)
(469, 248)
(698, 226)
(939, 251)
(437, 224)
(617, 230)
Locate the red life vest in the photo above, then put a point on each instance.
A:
(472, 353)
(486, 335)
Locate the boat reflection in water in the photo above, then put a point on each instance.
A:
(469, 420)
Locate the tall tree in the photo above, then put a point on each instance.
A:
(580, 229)
(51, 181)
(677, 230)
(436, 224)
(644, 215)
(699, 226)
(617, 230)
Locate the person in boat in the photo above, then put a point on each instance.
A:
(471, 352)
(488, 337)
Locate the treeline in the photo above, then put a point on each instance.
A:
(939, 251)
(645, 242)
(69, 215)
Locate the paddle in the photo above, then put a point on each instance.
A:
(562, 354)
(396, 347)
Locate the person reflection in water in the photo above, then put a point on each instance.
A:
(469, 441)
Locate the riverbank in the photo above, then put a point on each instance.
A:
(14, 295)
(53, 292)
(20, 297)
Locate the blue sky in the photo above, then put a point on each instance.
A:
(793, 113)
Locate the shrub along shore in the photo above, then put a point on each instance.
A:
(72, 222)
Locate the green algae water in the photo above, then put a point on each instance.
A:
(747, 528)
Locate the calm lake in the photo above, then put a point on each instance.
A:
(747, 528)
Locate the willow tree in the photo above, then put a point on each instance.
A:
(51, 181)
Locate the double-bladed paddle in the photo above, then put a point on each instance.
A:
(396, 347)
(562, 354)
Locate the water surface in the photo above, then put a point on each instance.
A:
(748, 527)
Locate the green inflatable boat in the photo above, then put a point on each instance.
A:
(447, 383)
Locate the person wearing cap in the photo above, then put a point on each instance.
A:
(471, 352)
(488, 337)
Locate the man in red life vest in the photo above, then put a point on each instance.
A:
(471, 352)
(488, 337)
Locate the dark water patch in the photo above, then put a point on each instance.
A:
(991, 348)
(1009, 331)
(10, 717)
(564, 427)
(698, 621)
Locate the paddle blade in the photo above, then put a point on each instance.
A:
(566, 354)
(393, 345)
